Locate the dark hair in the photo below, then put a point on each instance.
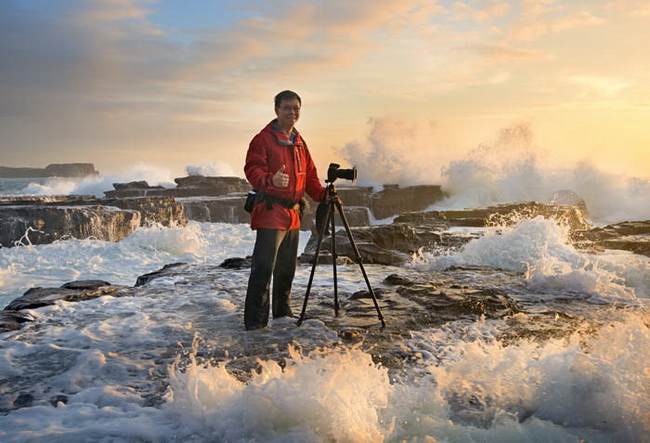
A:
(286, 95)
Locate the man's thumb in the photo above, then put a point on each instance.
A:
(281, 169)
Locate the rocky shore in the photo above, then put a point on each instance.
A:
(391, 244)
(39, 220)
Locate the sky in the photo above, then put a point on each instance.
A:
(399, 87)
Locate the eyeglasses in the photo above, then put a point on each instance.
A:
(290, 108)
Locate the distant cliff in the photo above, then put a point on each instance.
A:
(53, 170)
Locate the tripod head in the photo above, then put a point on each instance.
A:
(331, 190)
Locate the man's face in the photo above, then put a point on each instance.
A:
(288, 113)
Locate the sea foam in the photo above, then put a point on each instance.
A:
(509, 168)
(590, 386)
(147, 249)
(330, 395)
(540, 249)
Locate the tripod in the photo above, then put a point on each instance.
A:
(334, 204)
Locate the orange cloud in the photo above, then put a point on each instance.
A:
(536, 23)
(463, 11)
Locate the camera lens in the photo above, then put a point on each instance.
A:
(347, 174)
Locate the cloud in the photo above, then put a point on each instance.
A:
(84, 80)
(100, 11)
(481, 14)
(577, 20)
(540, 21)
(111, 79)
(61, 54)
(605, 86)
(307, 36)
(504, 52)
(635, 8)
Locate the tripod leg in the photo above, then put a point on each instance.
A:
(313, 267)
(360, 261)
(334, 257)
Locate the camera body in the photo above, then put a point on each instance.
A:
(334, 171)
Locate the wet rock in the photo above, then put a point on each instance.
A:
(624, 229)
(166, 271)
(39, 224)
(381, 244)
(355, 195)
(501, 215)
(190, 186)
(325, 258)
(165, 211)
(355, 215)
(393, 200)
(237, 263)
(633, 236)
(365, 294)
(350, 334)
(138, 188)
(227, 208)
(448, 305)
(636, 245)
(141, 184)
(50, 200)
(394, 279)
(628, 228)
(74, 291)
(11, 320)
(23, 400)
(203, 185)
(85, 285)
(40, 220)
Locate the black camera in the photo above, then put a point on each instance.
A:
(334, 171)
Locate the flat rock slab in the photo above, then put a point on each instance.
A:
(13, 320)
(74, 291)
(169, 270)
(633, 236)
(38, 224)
(501, 215)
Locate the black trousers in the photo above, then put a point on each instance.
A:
(274, 256)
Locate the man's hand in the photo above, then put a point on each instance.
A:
(280, 179)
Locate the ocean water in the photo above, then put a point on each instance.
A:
(19, 186)
(172, 362)
(92, 185)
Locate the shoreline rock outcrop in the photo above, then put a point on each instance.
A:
(37, 220)
(42, 220)
(221, 199)
(632, 236)
(52, 170)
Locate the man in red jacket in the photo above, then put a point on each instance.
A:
(279, 165)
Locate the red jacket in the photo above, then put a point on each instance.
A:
(268, 151)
